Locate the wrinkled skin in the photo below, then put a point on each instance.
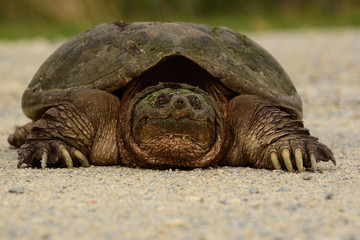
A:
(174, 125)
(168, 126)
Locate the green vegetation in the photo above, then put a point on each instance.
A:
(57, 18)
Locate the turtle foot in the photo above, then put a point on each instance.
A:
(43, 153)
(295, 154)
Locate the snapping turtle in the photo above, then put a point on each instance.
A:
(164, 95)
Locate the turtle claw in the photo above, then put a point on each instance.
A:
(285, 153)
(275, 160)
(297, 154)
(50, 153)
(82, 158)
(21, 162)
(288, 162)
(67, 157)
(44, 159)
(299, 159)
(313, 162)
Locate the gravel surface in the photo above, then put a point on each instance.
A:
(216, 203)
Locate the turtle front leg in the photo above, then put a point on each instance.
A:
(266, 137)
(79, 131)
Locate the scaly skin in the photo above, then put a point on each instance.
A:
(79, 131)
(263, 136)
(94, 127)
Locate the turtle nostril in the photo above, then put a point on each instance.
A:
(179, 103)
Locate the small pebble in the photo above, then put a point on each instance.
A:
(255, 203)
(294, 207)
(16, 189)
(329, 196)
(253, 190)
(284, 189)
(194, 199)
(234, 201)
(176, 222)
(307, 177)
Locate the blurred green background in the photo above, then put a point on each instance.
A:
(63, 18)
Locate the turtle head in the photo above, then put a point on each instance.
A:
(174, 125)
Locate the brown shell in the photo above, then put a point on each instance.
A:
(110, 55)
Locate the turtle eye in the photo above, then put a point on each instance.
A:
(195, 101)
(162, 99)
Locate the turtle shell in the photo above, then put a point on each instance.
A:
(110, 55)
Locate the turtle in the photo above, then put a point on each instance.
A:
(164, 95)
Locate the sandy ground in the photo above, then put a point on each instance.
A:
(220, 203)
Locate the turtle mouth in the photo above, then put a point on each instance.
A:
(174, 142)
(170, 127)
